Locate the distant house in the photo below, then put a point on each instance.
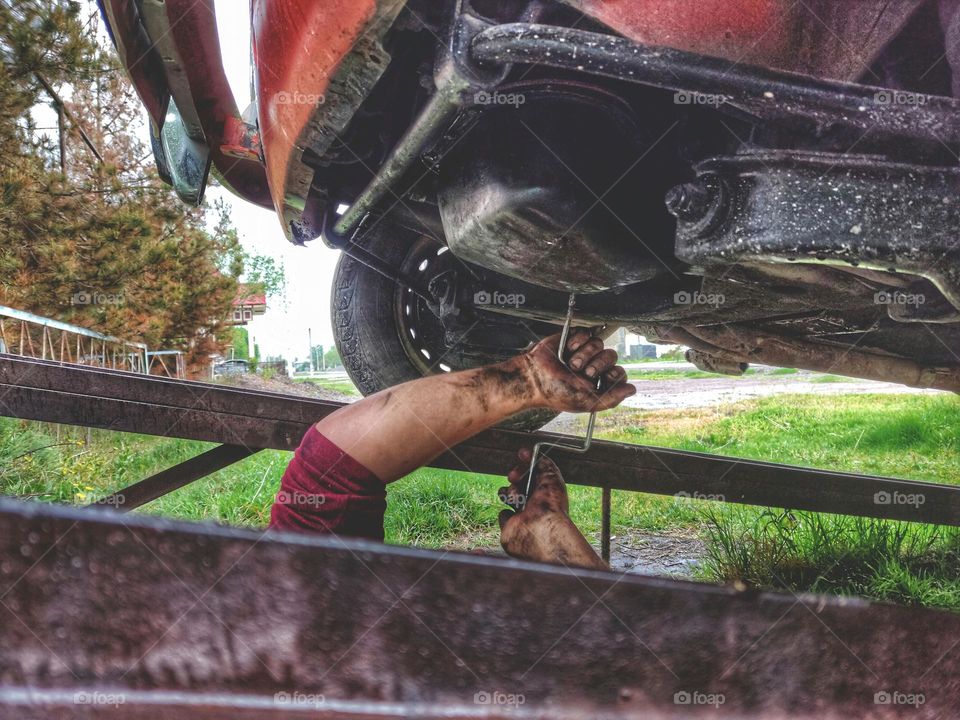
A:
(630, 346)
(643, 352)
(249, 302)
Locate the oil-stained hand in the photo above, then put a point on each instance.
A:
(573, 386)
(543, 530)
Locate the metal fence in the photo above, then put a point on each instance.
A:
(28, 335)
(166, 362)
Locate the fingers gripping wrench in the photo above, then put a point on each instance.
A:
(566, 446)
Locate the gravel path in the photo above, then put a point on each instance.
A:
(707, 392)
(285, 386)
(685, 393)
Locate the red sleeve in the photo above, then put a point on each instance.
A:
(324, 490)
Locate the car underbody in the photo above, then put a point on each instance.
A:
(760, 182)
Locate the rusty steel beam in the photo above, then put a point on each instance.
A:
(157, 390)
(150, 419)
(94, 397)
(165, 481)
(104, 615)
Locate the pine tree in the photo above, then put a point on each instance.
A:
(105, 227)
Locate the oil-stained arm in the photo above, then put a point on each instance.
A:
(400, 429)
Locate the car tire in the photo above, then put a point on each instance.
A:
(373, 318)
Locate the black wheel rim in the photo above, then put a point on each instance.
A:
(421, 333)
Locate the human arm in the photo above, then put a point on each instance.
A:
(403, 427)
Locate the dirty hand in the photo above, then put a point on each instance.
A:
(572, 387)
(543, 530)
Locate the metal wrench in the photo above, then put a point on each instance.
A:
(568, 446)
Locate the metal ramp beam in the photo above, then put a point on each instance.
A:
(93, 397)
(110, 616)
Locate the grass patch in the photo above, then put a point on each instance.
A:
(668, 374)
(60, 464)
(906, 436)
(810, 552)
(341, 385)
(435, 508)
(783, 371)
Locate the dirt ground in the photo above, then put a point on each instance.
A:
(696, 393)
(706, 392)
(284, 385)
(674, 554)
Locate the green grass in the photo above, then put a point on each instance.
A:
(809, 552)
(435, 508)
(342, 386)
(906, 436)
(77, 472)
(668, 374)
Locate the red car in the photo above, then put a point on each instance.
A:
(759, 180)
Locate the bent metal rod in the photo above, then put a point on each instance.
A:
(565, 446)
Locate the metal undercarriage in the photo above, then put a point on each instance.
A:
(767, 217)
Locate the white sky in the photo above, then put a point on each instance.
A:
(309, 270)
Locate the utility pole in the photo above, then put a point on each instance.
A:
(313, 360)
